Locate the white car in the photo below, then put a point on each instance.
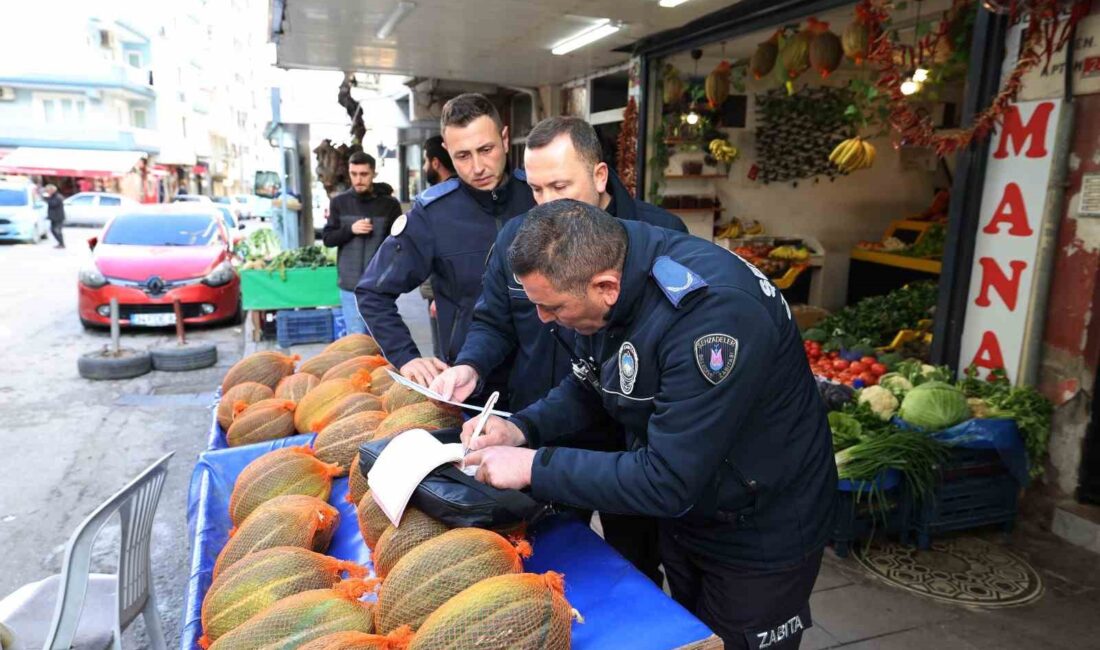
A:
(22, 213)
(95, 208)
(242, 203)
(192, 198)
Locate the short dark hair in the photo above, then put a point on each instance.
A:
(466, 108)
(433, 148)
(584, 138)
(361, 158)
(568, 242)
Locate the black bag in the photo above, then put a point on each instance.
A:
(458, 500)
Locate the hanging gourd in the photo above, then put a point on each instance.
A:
(795, 53)
(672, 84)
(763, 59)
(826, 51)
(717, 84)
(856, 41)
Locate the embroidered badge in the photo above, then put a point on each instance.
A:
(715, 355)
(628, 367)
(398, 226)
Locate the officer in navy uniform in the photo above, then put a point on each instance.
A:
(446, 235)
(563, 159)
(695, 353)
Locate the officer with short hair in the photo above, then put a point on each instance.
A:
(695, 353)
(563, 159)
(447, 236)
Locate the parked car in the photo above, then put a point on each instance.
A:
(22, 212)
(95, 208)
(231, 223)
(243, 204)
(151, 257)
(192, 198)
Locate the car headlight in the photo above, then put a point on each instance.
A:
(222, 274)
(92, 278)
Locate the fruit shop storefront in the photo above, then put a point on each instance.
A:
(910, 176)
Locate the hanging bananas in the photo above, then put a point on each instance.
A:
(723, 151)
(852, 155)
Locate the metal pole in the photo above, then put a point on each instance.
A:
(179, 321)
(114, 327)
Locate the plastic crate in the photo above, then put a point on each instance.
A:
(853, 519)
(974, 490)
(339, 325)
(303, 326)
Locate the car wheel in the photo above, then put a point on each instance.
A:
(184, 357)
(103, 364)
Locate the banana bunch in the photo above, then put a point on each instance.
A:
(790, 253)
(731, 230)
(722, 150)
(852, 155)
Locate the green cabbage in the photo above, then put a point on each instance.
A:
(934, 406)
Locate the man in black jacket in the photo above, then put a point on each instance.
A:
(55, 212)
(358, 220)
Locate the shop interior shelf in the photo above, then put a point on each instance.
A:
(900, 261)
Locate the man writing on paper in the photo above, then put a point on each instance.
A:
(697, 357)
(563, 159)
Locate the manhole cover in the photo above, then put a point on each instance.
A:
(963, 571)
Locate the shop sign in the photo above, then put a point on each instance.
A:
(998, 312)
(1049, 80)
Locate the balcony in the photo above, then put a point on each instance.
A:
(79, 136)
(94, 74)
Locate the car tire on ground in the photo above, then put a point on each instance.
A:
(102, 364)
(184, 357)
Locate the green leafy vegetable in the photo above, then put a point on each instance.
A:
(1031, 411)
(934, 406)
(877, 319)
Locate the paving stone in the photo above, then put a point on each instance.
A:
(830, 577)
(817, 638)
(858, 612)
(921, 638)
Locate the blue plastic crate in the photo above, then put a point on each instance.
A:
(293, 327)
(853, 517)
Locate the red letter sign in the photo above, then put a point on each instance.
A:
(1035, 131)
(989, 354)
(1010, 210)
(993, 276)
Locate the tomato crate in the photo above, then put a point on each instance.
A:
(303, 326)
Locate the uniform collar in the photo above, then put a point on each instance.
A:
(489, 200)
(641, 250)
(622, 204)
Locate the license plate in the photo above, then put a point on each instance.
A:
(153, 320)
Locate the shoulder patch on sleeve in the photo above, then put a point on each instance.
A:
(399, 224)
(675, 279)
(436, 192)
(716, 355)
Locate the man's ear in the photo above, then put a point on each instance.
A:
(504, 138)
(600, 174)
(606, 285)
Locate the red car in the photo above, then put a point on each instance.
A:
(150, 258)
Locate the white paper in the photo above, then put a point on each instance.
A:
(405, 461)
(431, 394)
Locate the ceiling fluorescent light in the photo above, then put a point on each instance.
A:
(671, 3)
(601, 29)
(397, 14)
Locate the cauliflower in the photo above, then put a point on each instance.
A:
(882, 402)
(895, 383)
(927, 371)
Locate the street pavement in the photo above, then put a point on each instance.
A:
(70, 443)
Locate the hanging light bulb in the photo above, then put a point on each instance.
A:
(909, 86)
(920, 75)
(692, 118)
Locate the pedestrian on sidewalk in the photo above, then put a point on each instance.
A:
(55, 212)
(358, 220)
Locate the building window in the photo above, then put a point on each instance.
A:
(183, 123)
(137, 117)
(58, 108)
(134, 59)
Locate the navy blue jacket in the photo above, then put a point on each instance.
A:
(505, 321)
(446, 235)
(726, 436)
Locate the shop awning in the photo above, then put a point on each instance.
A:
(87, 163)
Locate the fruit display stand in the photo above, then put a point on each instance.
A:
(879, 267)
(613, 597)
(801, 282)
(293, 288)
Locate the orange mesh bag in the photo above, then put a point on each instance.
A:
(321, 363)
(438, 569)
(293, 470)
(296, 386)
(380, 380)
(523, 611)
(398, 396)
(303, 617)
(345, 369)
(339, 442)
(346, 406)
(265, 368)
(357, 483)
(248, 392)
(265, 420)
(324, 396)
(399, 639)
(423, 415)
(372, 521)
(415, 529)
(261, 579)
(294, 520)
(359, 344)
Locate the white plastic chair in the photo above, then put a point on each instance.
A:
(92, 610)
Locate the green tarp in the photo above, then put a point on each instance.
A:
(301, 288)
